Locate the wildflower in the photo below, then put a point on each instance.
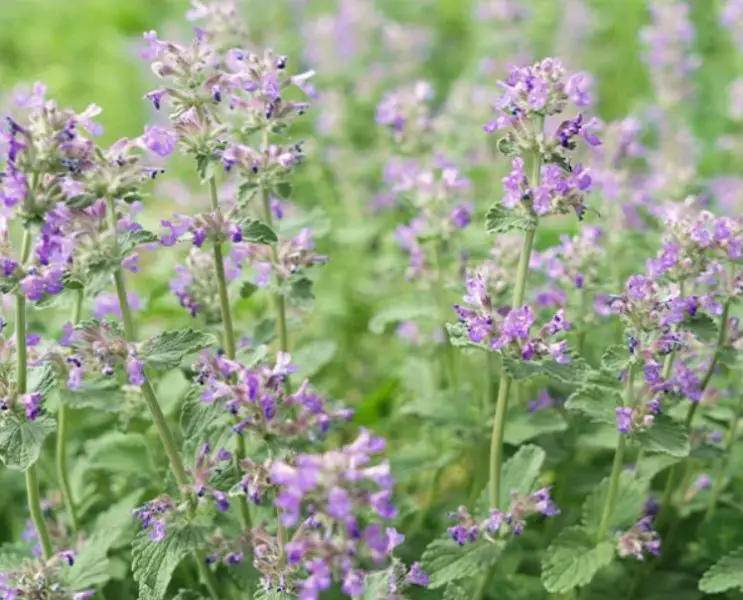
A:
(639, 540)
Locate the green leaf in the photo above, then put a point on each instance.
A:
(506, 146)
(247, 289)
(572, 373)
(377, 585)
(258, 232)
(615, 359)
(153, 563)
(725, 574)
(301, 290)
(312, 357)
(598, 403)
(445, 561)
(524, 426)
(401, 312)
(456, 591)
(459, 337)
(41, 379)
(573, 559)
(630, 498)
(91, 563)
(14, 555)
(103, 394)
(198, 417)
(119, 452)
(283, 189)
(128, 240)
(502, 220)
(246, 191)
(168, 349)
(21, 440)
(702, 326)
(264, 332)
(187, 595)
(446, 409)
(665, 435)
(520, 473)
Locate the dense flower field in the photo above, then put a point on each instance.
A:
(327, 329)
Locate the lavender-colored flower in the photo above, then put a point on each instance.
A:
(639, 540)
(159, 140)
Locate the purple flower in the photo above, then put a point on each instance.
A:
(416, 575)
(135, 370)
(32, 404)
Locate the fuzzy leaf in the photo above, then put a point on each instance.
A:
(128, 240)
(702, 326)
(521, 473)
(524, 426)
(264, 332)
(313, 356)
(725, 574)
(21, 440)
(573, 559)
(401, 312)
(446, 409)
(615, 359)
(628, 504)
(301, 290)
(459, 337)
(598, 403)
(168, 349)
(283, 189)
(103, 394)
(572, 373)
(665, 435)
(42, 379)
(198, 417)
(14, 555)
(91, 563)
(247, 289)
(258, 232)
(246, 191)
(445, 561)
(119, 452)
(456, 591)
(153, 563)
(502, 220)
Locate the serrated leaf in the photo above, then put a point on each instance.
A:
(573, 559)
(572, 373)
(91, 563)
(502, 220)
(264, 332)
(630, 498)
(725, 574)
(283, 189)
(665, 435)
(459, 337)
(301, 290)
(42, 379)
(456, 591)
(702, 326)
(524, 426)
(313, 356)
(520, 473)
(377, 586)
(445, 561)
(446, 409)
(153, 563)
(615, 358)
(14, 555)
(198, 417)
(128, 240)
(245, 192)
(168, 349)
(598, 403)
(258, 232)
(21, 440)
(401, 312)
(118, 518)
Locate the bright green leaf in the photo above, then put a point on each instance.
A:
(598, 403)
(725, 574)
(258, 232)
(91, 563)
(21, 440)
(665, 435)
(702, 326)
(520, 473)
(615, 359)
(573, 559)
(168, 349)
(446, 561)
(502, 220)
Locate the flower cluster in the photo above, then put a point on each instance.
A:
(195, 286)
(154, 516)
(575, 262)
(509, 330)
(328, 495)
(407, 113)
(512, 522)
(639, 540)
(259, 398)
(42, 579)
(731, 17)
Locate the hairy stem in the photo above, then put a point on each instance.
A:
(156, 413)
(229, 345)
(62, 422)
(674, 472)
(617, 465)
(724, 464)
(21, 352)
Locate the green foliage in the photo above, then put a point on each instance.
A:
(615, 359)
(312, 357)
(665, 435)
(103, 394)
(446, 562)
(573, 559)
(153, 563)
(401, 312)
(524, 426)
(521, 473)
(502, 220)
(167, 350)
(701, 325)
(91, 567)
(598, 403)
(572, 373)
(628, 503)
(726, 574)
(258, 232)
(21, 440)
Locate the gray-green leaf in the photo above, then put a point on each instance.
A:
(168, 349)
(445, 561)
(520, 473)
(725, 574)
(598, 403)
(628, 504)
(665, 435)
(91, 563)
(503, 220)
(21, 440)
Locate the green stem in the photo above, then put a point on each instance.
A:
(229, 344)
(617, 466)
(153, 406)
(673, 475)
(501, 406)
(724, 463)
(447, 355)
(280, 312)
(62, 423)
(21, 352)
